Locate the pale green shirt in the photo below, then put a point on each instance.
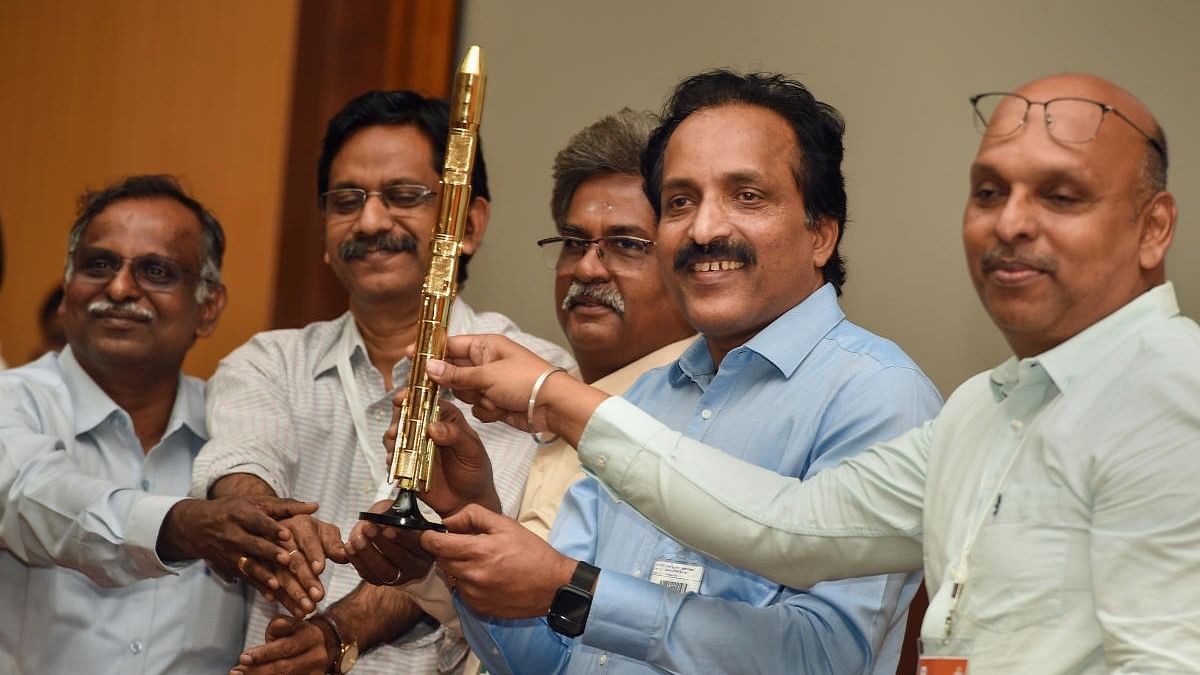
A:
(1073, 476)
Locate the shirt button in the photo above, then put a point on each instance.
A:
(601, 461)
(379, 414)
(706, 413)
(146, 485)
(637, 573)
(1017, 424)
(136, 646)
(603, 659)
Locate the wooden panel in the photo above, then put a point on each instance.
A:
(345, 49)
(90, 91)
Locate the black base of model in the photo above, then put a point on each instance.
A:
(403, 513)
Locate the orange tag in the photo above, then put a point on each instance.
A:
(942, 665)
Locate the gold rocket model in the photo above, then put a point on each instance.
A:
(412, 457)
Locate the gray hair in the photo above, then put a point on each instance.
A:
(91, 203)
(612, 145)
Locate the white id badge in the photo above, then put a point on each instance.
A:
(677, 576)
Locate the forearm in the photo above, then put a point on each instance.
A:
(240, 484)
(568, 404)
(832, 628)
(54, 515)
(858, 519)
(376, 615)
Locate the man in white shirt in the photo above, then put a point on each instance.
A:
(1053, 500)
(97, 540)
(300, 413)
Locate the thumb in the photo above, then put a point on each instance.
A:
(280, 627)
(475, 519)
(280, 509)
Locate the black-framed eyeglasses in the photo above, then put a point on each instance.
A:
(347, 203)
(151, 272)
(619, 253)
(1070, 119)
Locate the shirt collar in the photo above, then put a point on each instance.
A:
(785, 342)
(344, 341)
(1082, 353)
(91, 405)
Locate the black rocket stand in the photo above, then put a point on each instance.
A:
(403, 513)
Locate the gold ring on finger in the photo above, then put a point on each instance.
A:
(241, 565)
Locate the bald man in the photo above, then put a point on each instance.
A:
(1053, 502)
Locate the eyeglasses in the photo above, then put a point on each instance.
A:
(152, 273)
(619, 253)
(1068, 118)
(347, 203)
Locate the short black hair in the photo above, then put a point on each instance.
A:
(430, 116)
(147, 186)
(818, 126)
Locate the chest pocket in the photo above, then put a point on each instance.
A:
(1019, 562)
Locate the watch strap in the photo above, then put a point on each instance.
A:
(585, 577)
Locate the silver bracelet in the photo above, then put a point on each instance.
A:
(537, 387)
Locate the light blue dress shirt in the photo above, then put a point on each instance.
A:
(82, 588)
(806, 392)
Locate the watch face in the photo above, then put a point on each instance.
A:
(348, 658)
(569, 611)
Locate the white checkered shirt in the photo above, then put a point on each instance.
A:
(277, 410)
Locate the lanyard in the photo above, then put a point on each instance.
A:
(961, 570)
(358, 415)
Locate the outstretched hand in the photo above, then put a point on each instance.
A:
(498, 567)
(384, 555)
(462, 470)
(257, 537)
(491, 372)
(497, 377)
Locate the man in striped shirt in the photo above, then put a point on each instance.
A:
(300, 413)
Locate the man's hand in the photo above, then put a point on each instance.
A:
(224, 530)
(293, 646)
(313, 540)
(497, 376)
(387, 556)
(462, 470)
(498, 567)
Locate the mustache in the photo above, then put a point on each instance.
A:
(722, 249)
(383, 242)
(605, 294)
(1001, 256)
(120, 310)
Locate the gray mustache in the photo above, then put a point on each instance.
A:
(605, 294)
(122, 310)
(996, 257)
(360, 247)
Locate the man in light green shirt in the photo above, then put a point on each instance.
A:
(1053, 502)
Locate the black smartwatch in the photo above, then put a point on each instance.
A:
(569, 612)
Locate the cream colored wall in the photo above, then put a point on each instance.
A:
(900, 73)
(90, 91)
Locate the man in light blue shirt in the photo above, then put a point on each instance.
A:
(97, 543)
(745, 177)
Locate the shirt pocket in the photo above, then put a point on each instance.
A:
(1018, 565)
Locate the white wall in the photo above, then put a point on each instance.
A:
(900, 73)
